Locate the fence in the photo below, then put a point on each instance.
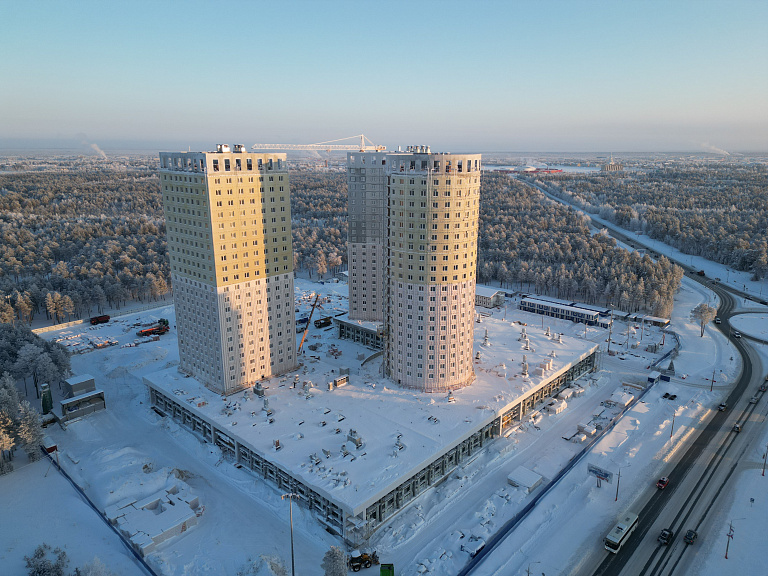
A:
(120, 313)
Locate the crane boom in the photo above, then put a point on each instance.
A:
(308, 323)
(328, 146)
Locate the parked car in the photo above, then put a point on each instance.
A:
(717, 320)
(666, 536)
(662, 483)
(690, 537)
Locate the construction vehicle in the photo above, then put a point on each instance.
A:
(358, 560)
(103, 319)
(158, 329)
(323, 322)
(308, 324)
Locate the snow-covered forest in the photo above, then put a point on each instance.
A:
(717, 211)
(76, 242)
(529, 241)
(319, 220)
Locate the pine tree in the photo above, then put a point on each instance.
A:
(7, 441)
(39, 565)
(30, 431)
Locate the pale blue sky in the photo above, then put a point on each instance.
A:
(471, 76)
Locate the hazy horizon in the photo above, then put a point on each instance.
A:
(544, 76)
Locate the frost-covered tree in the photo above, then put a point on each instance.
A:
(7, 441)
(30, 431)
(321, 265)
(40, 565)
(703, 314)
(95, 568)
(335, 562)
(9, 395)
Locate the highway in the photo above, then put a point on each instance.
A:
(701, 475)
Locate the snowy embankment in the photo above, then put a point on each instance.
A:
(643, 447)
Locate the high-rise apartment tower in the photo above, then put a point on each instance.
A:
(367, 244)
(228, 223)
(412, 260)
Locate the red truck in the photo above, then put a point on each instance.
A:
(159, 329)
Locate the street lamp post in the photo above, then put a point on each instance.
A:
(765, 455)
(528, 572)
(730, 536)
(290, 497)
(672, 430)
(618, 481)
(610, 329)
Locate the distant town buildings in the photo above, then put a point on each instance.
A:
(412, 260)
(612, 166)
(228, 219)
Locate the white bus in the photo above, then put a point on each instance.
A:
(621, 532)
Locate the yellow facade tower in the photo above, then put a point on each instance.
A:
(432, 222)
(228, 224)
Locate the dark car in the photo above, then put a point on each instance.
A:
(723, 407)
(736, 428)
(666, 536)
(662, 483)
(690, 537)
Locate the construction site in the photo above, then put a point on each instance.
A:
(355, 447)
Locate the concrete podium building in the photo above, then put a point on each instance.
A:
(228, 223)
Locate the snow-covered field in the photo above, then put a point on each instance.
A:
(129, 451)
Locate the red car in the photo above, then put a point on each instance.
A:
(662, 483)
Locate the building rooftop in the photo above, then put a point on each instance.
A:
(401, 430)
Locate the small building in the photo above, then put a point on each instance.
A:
(488, 297)
(366, 333)
(556, 406)
(79, 385)
(557, 310)
(653, 377)
(522, 477)
(83, 397)
(621, 398)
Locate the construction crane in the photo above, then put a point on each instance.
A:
(365, 145)
(308, 324)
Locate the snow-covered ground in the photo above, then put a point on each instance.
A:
(129, 451)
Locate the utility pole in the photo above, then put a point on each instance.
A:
(765, 454)
(672, 430)
(730, 537)
(712, 384)
(290, 497)
(610, 329)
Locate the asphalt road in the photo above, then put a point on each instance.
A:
(701, 475)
